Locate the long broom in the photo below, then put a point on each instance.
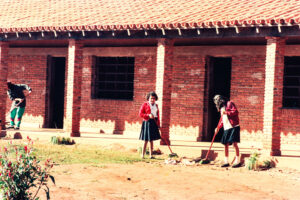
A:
(172, 154)
(206, 161)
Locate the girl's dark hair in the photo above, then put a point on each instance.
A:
(220, 101)
(152, 94)
(9, 84)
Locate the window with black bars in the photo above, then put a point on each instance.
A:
(291, 82)
(113, 78)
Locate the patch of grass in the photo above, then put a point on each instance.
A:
(84, 154)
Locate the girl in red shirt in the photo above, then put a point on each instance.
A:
(150, 127)
(230, 123)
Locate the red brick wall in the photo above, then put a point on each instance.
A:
(30, 70)
(290, 129)
(247, 91)
(73, 87)
(187, 95)
(247, 88)
(273, 94)
(164, 67)
(117, 116)
(3, 78)
(107, 116)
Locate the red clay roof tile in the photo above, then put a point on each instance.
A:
(131, 14)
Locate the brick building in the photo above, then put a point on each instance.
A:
(90, 64)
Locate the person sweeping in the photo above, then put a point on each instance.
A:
(230, 123)
(150, 126)
(16, 94)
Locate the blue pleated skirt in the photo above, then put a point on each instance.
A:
(231, 135)
(149, 131)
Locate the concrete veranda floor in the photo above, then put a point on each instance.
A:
(290, 153)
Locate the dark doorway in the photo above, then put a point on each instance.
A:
(55, 92)
(219, 79)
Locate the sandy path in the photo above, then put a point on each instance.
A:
(159, 181)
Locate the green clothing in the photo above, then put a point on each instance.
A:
(17, 108)
(16, 91)
(19, 112)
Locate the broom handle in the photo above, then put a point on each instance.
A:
(164, 138)
(15, 106)
(165, 142)
(216, 132)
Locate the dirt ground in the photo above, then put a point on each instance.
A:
(157, 180)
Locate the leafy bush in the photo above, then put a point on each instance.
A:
(21, 174)
(258, 162)
(252, 161)
(62, 140)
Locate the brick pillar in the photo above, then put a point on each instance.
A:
(164, 85)
(273, 95)
(73, 96)
(3, 79)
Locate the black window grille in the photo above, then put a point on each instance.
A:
(112, 78)
(291, 82)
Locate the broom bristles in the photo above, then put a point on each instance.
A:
(173, 155)
(204, 161)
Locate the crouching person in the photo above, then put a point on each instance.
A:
(16, 94)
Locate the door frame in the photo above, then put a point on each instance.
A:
(207, 97)
(209, 90)
(50, 84)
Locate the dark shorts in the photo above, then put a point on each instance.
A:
(231, 135)
(149, 131)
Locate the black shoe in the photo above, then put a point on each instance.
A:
(10, 127)
(225, 165)
(17, 128)
(236, 165)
